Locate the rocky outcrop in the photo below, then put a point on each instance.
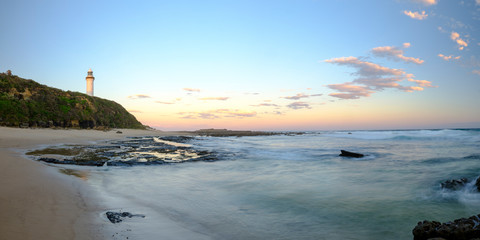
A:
(454, 184)
(457, 184)
(118, 217)
(460, 229)
(26, 103)
(350, 154)
(130, 152)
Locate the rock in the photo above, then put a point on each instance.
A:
(82, 162)
(119, 132)
(477, 184)
(117, 217)
(350, 154)
(460, 229)
(455, 184)
(135, 151)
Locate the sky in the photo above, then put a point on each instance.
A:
(260, 64)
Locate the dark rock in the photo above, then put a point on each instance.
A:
(454, 184)
(119, 132)
(177, 139)
(460, 229)
(82, 162)
(350, 154)
(477, 184)
(117, 217)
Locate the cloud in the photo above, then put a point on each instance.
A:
(215, 98)
(207, 115)
(447, 58)
(350, 91)
(477, 2)
(218, 113)
(476, 71)
(265, 105)
(395, 53)
(191, 89)
(416, 15)
(138, 96)
(365, 68)
(456, 37)
(427, 2)
(372, 78)
(301, 95)
(164, 102)
(298, 105)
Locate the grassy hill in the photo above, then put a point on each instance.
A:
(26, 103)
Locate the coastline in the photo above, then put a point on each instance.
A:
(39, 202)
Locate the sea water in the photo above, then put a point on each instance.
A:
(297, 187)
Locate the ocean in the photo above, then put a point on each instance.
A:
(298, 187)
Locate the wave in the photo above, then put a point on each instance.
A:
(405, 135)
(467, 194)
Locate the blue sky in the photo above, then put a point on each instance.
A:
(299, 65)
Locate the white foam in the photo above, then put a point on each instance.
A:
(158, 140)
(173, 157)
(420, 134)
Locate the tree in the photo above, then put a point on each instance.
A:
(9, 72)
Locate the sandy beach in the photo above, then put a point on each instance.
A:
(37, 201)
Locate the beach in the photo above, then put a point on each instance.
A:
(39, 202)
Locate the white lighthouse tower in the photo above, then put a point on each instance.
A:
(90, 79)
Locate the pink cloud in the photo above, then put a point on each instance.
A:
(265, 105)
(395, 53)
(191, 89)
(427, 2)
(476, 71)
(416, 15)
(299, 105)
(447, 58)
(365, 68)
(216, 114)
(461, 43)
(372, 78)
(350, 91)
(302, 95)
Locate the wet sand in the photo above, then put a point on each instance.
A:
(39, 202)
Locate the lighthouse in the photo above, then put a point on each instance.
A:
(90, 79)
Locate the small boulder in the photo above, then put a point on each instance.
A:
(119, 132)
(117, 217)
(455, 184)
(350, 154)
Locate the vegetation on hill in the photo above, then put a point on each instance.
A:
(26, 103)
